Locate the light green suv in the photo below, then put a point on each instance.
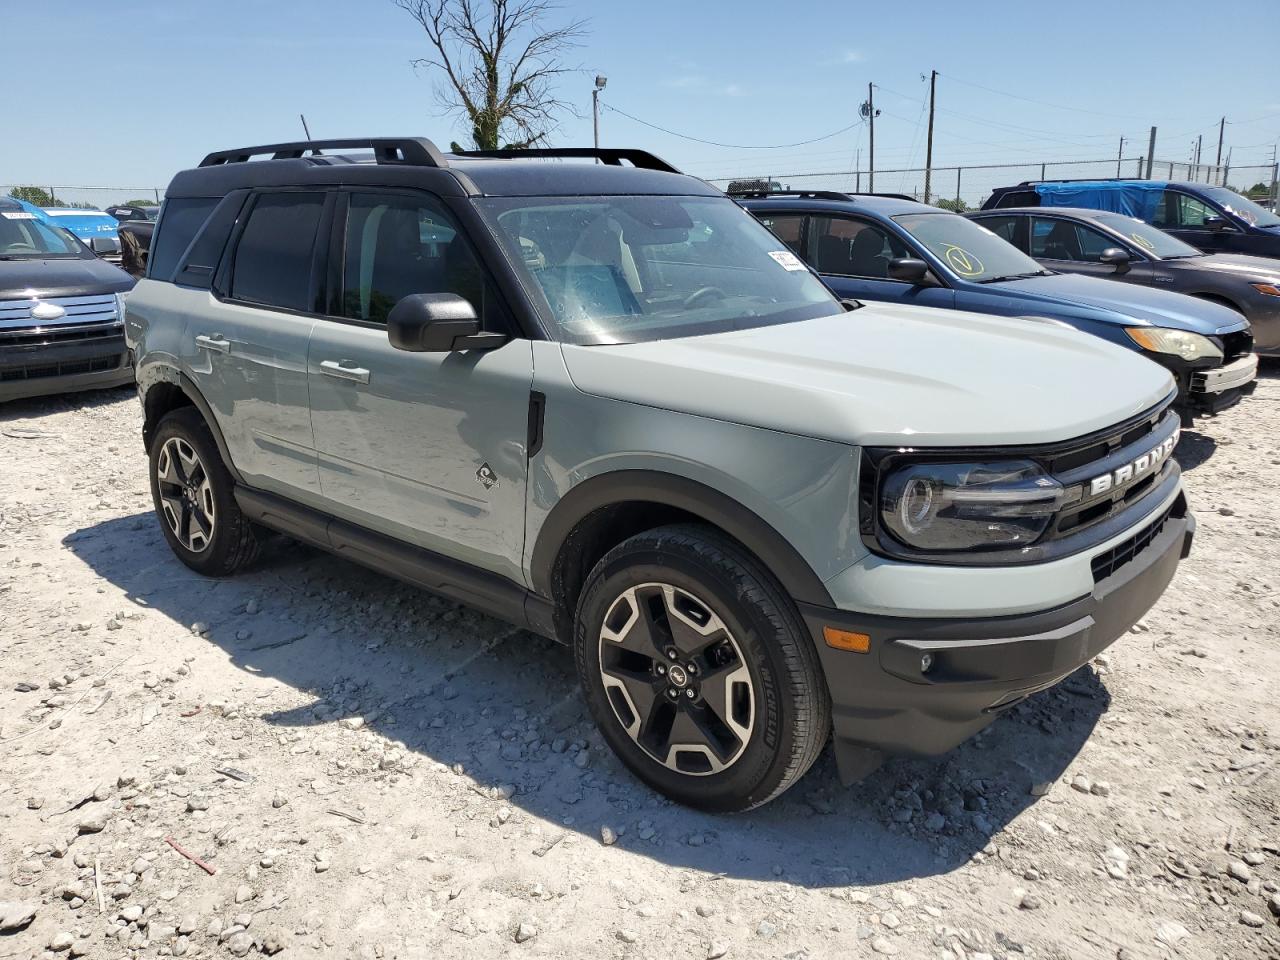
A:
(598, 399)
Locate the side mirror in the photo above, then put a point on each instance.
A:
(1216, 224)
(1117, 257)
(104, 245)
(437, 323)
(908, 270)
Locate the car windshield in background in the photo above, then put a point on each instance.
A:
(1147, 238)
(623, 269)
(24, 237)
(1242, 207)
(970, 251)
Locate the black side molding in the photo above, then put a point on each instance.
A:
(537, 413)
(486, 591)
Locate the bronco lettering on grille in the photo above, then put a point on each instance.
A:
(1139, 467)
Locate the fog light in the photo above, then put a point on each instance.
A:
(926, 662)
(846, 640)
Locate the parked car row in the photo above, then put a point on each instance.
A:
(895, 249)
(863, 478)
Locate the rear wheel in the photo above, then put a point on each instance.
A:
(698, 670)
(193, 496)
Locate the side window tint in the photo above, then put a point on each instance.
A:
(178, 224)
(198, 266)
(1092, 243)
(1162, 216)
(397, 246)
(1193, 212)
(1019, 198)
(788, 229)
(1053, 239)
(1006, 228)
(854, 248)
(273, 258)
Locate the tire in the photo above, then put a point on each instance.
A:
(753, 708)
(190, 483)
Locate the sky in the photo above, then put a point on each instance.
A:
(127, 93)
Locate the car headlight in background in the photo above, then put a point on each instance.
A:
(963, 506)
(1179, 343)
(1270, 289)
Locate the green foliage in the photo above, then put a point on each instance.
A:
(955, 206)
(36, 195)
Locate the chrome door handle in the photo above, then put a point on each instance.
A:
(344, 370)
(215, 343)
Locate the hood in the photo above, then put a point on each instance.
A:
(887, 375)
(1249, 269)
(21, 279)
(1123, 303)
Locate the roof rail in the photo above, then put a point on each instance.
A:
(411, 151)
(613, 156)
(1028, 183)
(815, 194)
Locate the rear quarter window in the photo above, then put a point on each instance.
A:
(179, 223)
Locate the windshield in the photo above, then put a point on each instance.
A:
(23, 237)
(624, 269)
(969, 251)
(1149, 239)
(1242, 207)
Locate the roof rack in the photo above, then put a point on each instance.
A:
(613, 156)
(1027, 183)
(410, 151)
(815, 194)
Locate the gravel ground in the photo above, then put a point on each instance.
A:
(367, 771)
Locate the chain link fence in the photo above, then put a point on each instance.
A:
(966, 187)
(91, 198)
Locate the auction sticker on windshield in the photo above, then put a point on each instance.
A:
(20, 215)
(962, 261)
(787, 259)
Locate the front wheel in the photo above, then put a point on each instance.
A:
(698, 670)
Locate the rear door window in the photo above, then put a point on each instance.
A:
(273, 259)
(1006, 228)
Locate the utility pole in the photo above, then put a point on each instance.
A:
(1151, 152)
(1119, 157)
(1199, 144)
(868, 112)
(601, 80)
(928, 155)
(1222, 126)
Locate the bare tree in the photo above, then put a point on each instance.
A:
(499, 62)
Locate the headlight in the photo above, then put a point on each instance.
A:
(963, 506)
(1270, 289)
(1180, 343)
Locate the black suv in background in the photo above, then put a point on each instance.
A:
(61, 327)
(1212, 219)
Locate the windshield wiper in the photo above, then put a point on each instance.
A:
(1016, 276)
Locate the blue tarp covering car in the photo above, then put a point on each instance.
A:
(85, 224)
(1136, 198)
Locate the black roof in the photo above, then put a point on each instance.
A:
(414, 162)
(886, 205)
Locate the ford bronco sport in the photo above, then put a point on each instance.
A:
(603, 402)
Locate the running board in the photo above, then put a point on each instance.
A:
(488, 592)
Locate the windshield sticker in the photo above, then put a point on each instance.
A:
(787, 259)
(1142, 242)
(20, 215)
(962, 261)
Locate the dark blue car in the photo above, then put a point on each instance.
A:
(887, 248)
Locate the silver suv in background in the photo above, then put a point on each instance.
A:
(601, 401)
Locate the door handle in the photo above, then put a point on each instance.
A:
(344, 370)
(216, 343)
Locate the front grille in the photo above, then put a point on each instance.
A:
(71, 368)
(97, 308)
(68, 333)
(1107, 563)
(1236, 345)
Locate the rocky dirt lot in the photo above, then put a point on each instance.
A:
(312, 760)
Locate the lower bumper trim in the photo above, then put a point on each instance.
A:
(929, 684)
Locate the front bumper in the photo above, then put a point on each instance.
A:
(1214, 389)
(884, 702)
(26, 372)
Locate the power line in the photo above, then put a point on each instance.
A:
(731, 146)
(1041, 103)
